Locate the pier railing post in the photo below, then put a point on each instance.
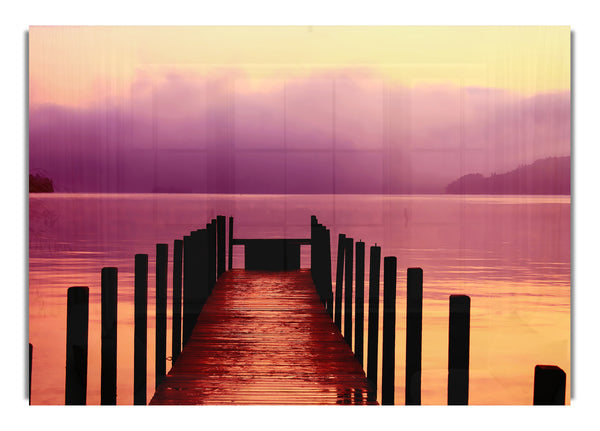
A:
(458, 350)
(211, 229)
(108, 368)
(205, 279)
(77, 345)
(348, 291)
(549, 385)
(327, 271)
(220, 245)
(320, 259)
(188, 284)
(313, 250)
(177, 279)
(339, 280)
(141, 329)
(414, 323)
(373, 334)
(359, 303)
(230, 253)
(161, 313)
(389, 331)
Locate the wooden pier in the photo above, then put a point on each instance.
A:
(264, 337)
(271, 333)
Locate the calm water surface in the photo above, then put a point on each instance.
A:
(510, 254)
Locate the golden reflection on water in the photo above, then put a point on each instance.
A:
(511, 255)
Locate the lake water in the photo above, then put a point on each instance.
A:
(510, 254)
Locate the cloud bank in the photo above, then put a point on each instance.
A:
(335, 132)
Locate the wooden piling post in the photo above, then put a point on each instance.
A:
(458, 350)
(549, 385)
(188, 284)
(211, 229)
(77, 345)
(348, 291)
(414, 330)
(203, 263)
(108, 369)
(230, 256)
(160, 367)
(320, 259)
(30, 368)
(373, 334)
(339, 280)
(389, 331)
(220, 245)
(177, 279)
(359, 302)
(141, 329)
(313, 250)
(327, 271)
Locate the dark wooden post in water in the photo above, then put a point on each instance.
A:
(211, 229)
(220, 245)
(108, 369)
(373, 335)
(230, 256)
(30, 366)
(177, 278)
(141, 329)
(313, 250)
(348, 291)
(458, 350)
(389, 331)
(339, 280)
(77, 345)
(188, 284)
(160, 368)
(327, 271)
(359, 303)
(320, 257)
(549, 385)
(205, 276)
(414, 330)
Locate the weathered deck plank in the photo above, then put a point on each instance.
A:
(265, 338)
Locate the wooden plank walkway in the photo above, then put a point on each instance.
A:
(265, 338)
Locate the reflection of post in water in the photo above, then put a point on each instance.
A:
(344, 396)
(358, 396)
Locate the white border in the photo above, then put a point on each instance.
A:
(17, 16)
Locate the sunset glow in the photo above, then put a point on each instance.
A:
(84, 66)
(449, 147)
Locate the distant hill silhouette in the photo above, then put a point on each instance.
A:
(40, 184)
(550, 176)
